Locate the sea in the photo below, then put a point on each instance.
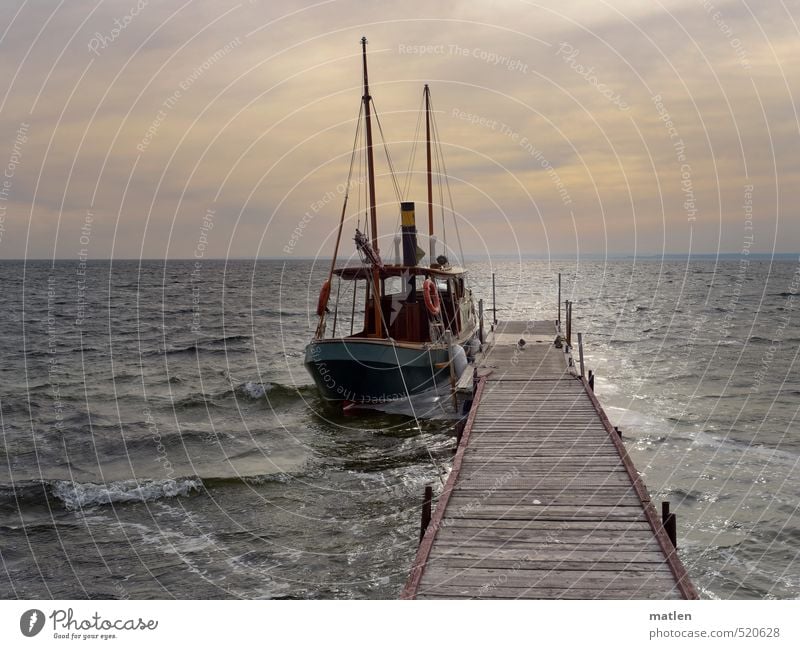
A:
(162, 439)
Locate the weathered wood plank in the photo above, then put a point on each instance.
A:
(611, 526)
(524, 578)
(567, 593)
(551, 480)
(550, 542)
(524, 513)
(512, 561)
(511, 497)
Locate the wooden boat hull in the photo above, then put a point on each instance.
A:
(374, 371)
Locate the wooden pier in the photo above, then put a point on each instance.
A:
(543, 501)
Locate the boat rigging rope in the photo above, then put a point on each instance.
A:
(388, 156)
(363, 165)
(447, 183)
(336, 307)
(321, 323)
(437, 162)
(413, 156)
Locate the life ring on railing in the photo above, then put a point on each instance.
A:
(324, 294)
(431, 295)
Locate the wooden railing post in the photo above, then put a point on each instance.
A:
(559, 301)
(480, 321)
(494, 300)
(426, 512)
(580, 352)
(670, 523)
(568, 315)
(459, 431)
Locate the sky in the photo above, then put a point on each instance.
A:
(199, 129)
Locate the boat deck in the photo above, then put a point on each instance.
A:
(543, 501)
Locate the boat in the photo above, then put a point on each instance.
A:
(412, 323)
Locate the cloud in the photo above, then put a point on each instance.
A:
(250, 110)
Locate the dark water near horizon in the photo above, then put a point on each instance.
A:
(161, 437)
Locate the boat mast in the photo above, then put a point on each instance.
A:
(430, 178)
(373, 214)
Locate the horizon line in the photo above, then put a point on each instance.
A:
(468, 256)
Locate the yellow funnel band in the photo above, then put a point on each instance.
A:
(407, 218)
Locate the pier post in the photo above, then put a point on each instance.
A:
(448, 338)
(591, 380)
(580, 352)
(618, 431)
(570, 323)
(460, 431)
(494, 300)
(670, 523)
(559, 301)
(426, 512)
(568, 316)
(480, 320)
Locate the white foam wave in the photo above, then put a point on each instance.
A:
(255, 390)
(76, 495)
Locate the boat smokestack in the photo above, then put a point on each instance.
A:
(408, 227)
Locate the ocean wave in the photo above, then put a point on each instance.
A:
(690, 497)
(252, 480)
(79, 495)
(126, 376)
(272, 391)
(280, 313)
(175, 350)
(224, 340)
(208, 345)
(253, 389)
(76, 495)
(204, 399)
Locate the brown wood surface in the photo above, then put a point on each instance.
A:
(543, 501)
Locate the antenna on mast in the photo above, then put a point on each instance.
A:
(432, 241)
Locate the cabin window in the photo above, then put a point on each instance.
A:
(392, 285)
(350, 316)
(441, 285)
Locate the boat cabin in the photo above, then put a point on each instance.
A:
(405, 313)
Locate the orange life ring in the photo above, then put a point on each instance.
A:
(431, 295)
(324, 294)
